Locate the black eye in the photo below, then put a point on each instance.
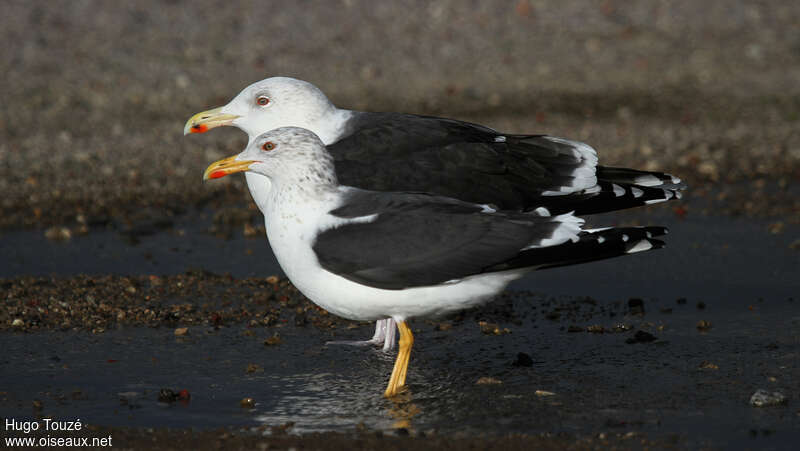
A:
(262, 100)
(268, 146)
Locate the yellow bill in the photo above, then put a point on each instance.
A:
(206, 120)
(225, 167)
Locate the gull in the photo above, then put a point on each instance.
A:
(371, 255)
(447, 157)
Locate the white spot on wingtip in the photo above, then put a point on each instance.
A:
(541, 211)
(637, 192)
(618, 190)
(487, 209)
(642, 245)
(499, 139)
(625, 237)
(601, 239)
(647, 180)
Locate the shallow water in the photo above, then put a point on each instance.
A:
(745, 278)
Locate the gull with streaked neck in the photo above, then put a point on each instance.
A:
(461, 160)
(369, 255)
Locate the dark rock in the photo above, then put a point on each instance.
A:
(641, 337)
(636, 306)
(523, 360)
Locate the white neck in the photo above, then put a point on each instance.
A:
(328, 127)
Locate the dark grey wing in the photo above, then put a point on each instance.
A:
(420, 240)
(404, 152)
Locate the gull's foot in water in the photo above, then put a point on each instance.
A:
(385, 334)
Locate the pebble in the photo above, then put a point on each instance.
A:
(18, 323)
(247, 403)
(763, 398)
(57, 233)
(486, 380)
(523, 360)
(273, 340)
(641, 337)
(492, 328)
(703, 325)
(706, 365)
(636, 306)
(543, 393)
(181, 331)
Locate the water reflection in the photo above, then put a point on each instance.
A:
(341, 400)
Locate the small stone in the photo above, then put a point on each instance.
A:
(272, 280)
(57, 233)
(595, 329)
(523, 360)
(641, 337)
(181, 331)
(166, 395)
(703, 325)
(247, 403)
(443, 326)
(543, 393)
(492, 328)
(17, 323)
(273, 340)
(636, 306)
(253, 368)
(681, 300)
(486, 380)
(776, 228)
(38, 404)
(706, 365)
(763, 398)
(621, 327)
(701, 305)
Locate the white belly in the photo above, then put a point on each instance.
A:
(291, 232)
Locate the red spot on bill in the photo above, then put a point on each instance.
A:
(199, 128)
(217, 174)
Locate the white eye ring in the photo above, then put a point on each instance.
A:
(262, 101)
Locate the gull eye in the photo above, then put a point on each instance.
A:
(269, 145)
(262, 100)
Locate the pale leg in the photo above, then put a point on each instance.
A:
(382, 326)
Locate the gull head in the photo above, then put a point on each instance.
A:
(266, 105)
(278, 153)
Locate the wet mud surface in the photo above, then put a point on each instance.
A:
(663, 348)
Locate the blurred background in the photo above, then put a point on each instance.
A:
(95, 94)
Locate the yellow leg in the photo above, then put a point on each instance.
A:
(398, 378)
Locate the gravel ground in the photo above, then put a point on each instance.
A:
(96, 93)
